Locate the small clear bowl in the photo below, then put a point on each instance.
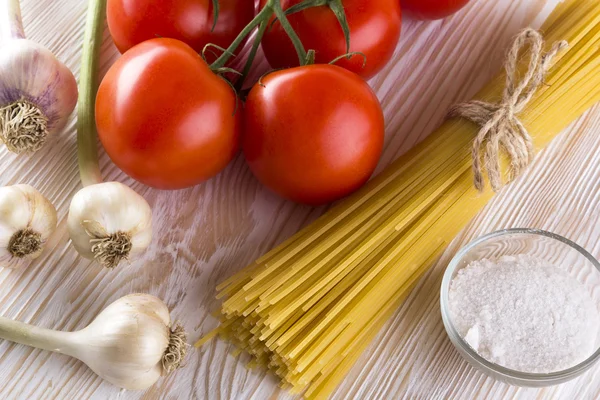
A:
(554, 248)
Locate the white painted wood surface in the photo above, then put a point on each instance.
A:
(206, 233)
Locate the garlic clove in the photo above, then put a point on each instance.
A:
(38, 93)
(27, 219)
(109, 222)
(127, 342)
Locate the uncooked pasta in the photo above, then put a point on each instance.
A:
(307, 309)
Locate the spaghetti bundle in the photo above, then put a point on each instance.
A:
(307, 309)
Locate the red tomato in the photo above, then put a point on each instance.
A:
(164, 118)
(374, 31)
(432, 9)
(133, 21)
(313, 134)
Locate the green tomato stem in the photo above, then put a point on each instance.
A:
(264, 15)
(303, 5)
(310, 57)
(215, 14)
(287, 27)
(261, 20)
(349, 56)
(89, 169)
(337, 7)
(261, 32)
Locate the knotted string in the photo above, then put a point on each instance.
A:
(500, 126)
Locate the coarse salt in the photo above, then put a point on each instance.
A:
(524, 313)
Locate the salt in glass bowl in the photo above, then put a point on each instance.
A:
(559, 251)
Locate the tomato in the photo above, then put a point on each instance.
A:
(313, 134)
(432, 9)
(164, 118)
(374, 31)
(133, 21)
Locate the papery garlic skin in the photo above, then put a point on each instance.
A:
(127, 341)
(37, 92)
(30, 73)
(109, 222)
(131, 343)
(24, 210)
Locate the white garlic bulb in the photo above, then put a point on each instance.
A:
(37, 92)
(131, 343)
(27, 219)
(109, 222)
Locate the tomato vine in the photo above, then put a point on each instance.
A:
(273, 10)
(336, 6)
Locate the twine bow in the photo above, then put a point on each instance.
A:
(500, 127)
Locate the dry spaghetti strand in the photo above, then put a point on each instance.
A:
(307, 309)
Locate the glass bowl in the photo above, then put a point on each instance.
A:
(554, 248)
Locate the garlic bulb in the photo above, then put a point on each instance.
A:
(131, 343)
(27, 219)
(109, 222)
(37, 92)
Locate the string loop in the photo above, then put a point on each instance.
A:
(499, 122)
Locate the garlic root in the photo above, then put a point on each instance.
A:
(37, 92)
(109, 222)
(25, 242)
(109, 249)
(23, 127)
(176, 350)
(27, 219)
(130, 343)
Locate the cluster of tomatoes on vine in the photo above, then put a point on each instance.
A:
(311, 131)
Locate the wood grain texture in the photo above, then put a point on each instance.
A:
(204, 234)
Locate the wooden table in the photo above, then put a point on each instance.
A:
(206, 233)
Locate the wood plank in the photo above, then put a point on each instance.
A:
(206, 233)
